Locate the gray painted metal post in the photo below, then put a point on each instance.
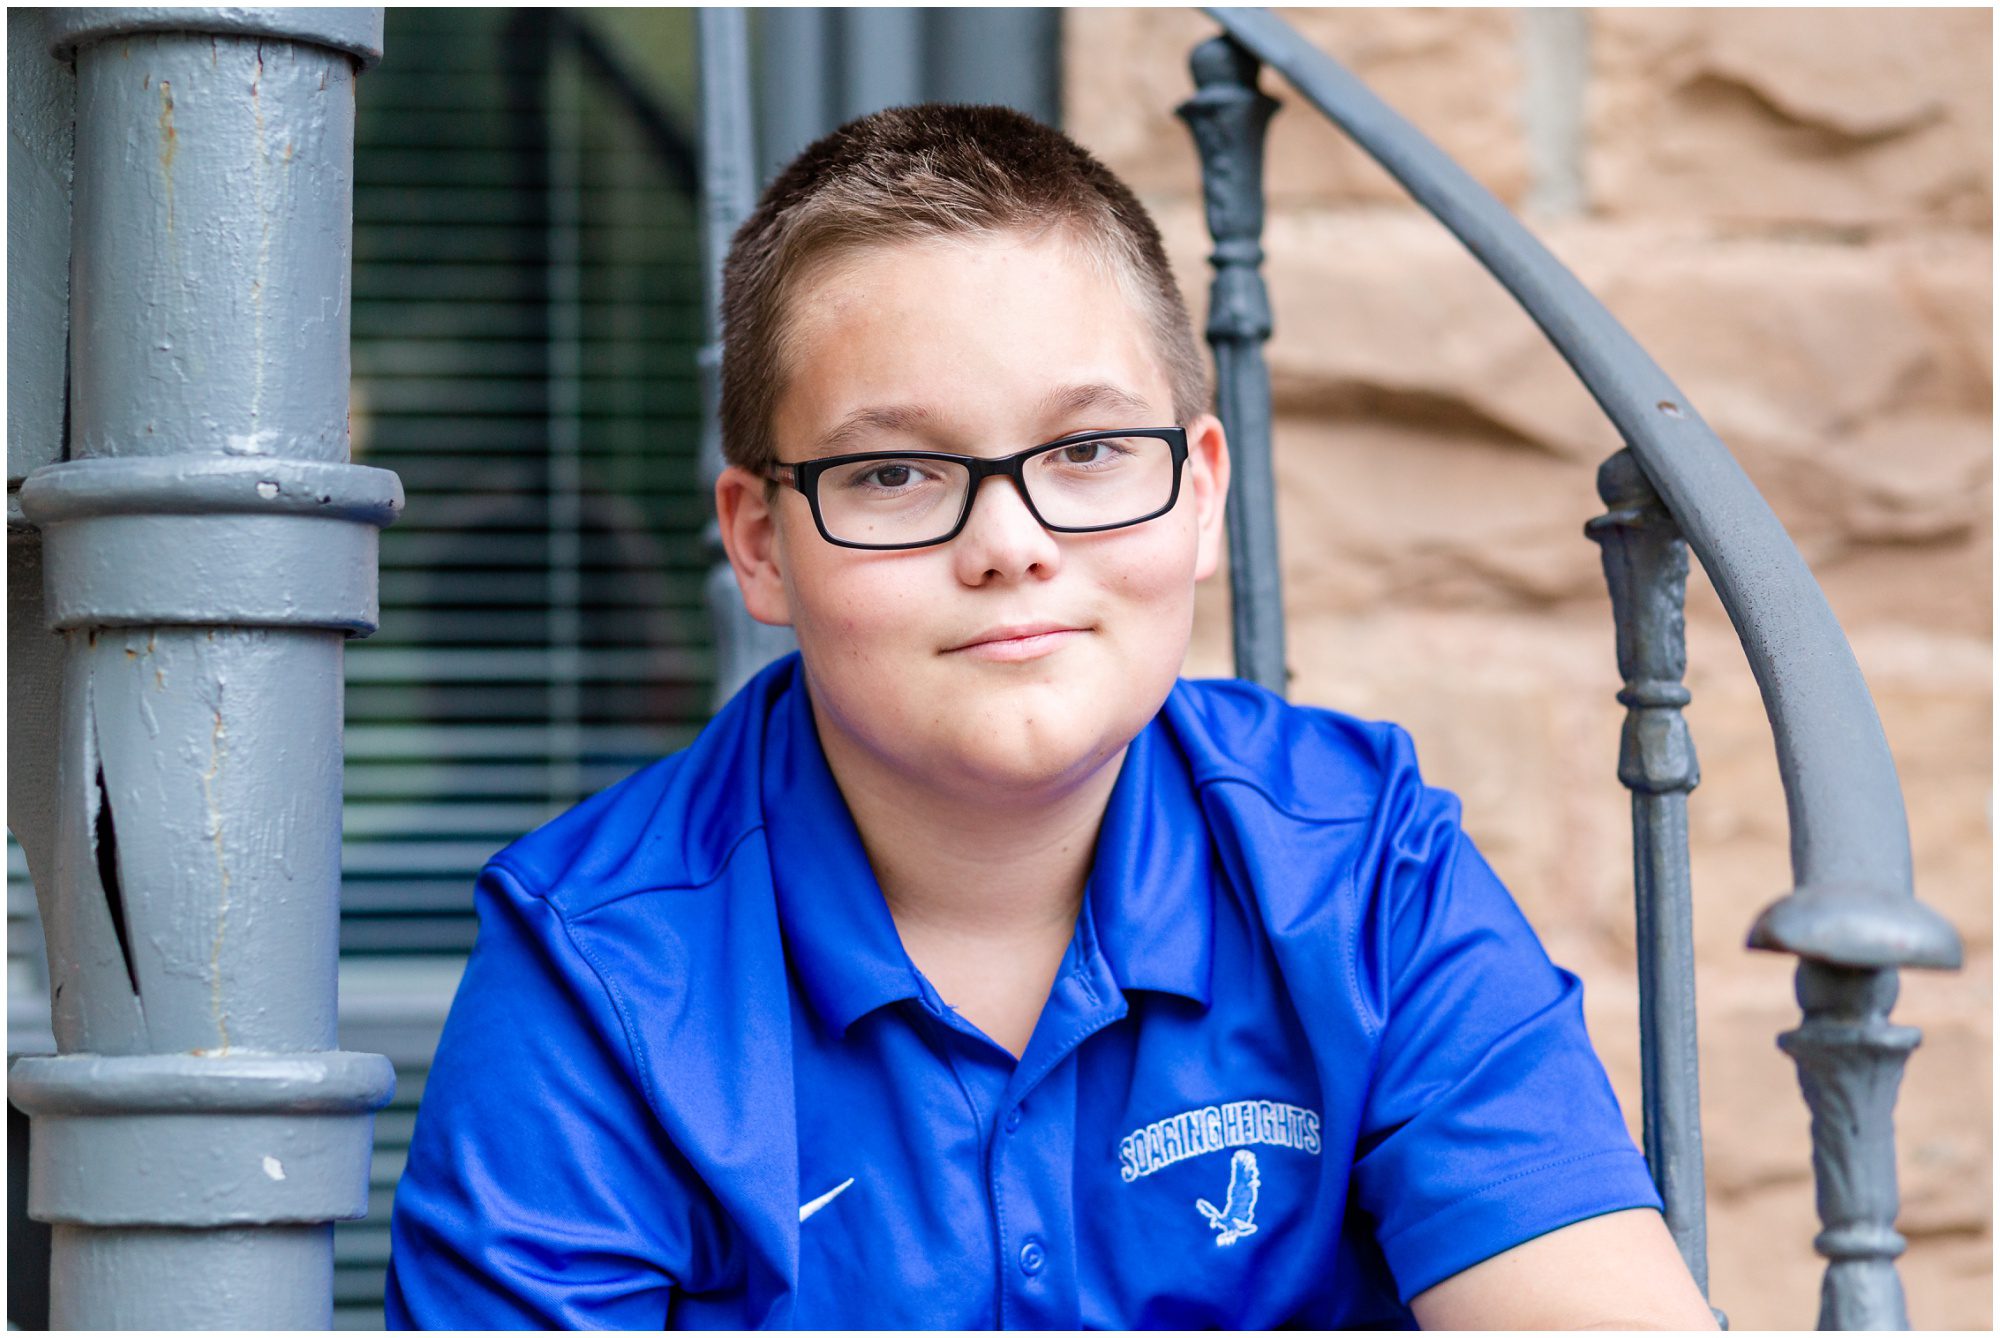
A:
(207, 551)
(1228, 116)
(728, 192)
(1646, 567)
(881, 58)
(818, 67)
(1008, 54)
(41, 108)
(795, 86)
(41, 111)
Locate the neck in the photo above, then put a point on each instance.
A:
(975, 868)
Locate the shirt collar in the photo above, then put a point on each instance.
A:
(1150, 897)
(843, 941)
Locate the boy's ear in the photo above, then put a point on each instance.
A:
(1208, 479)
(750, 538)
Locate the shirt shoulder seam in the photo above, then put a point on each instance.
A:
(635, 1047)
(521, 881)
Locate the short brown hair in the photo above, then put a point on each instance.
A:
(933, 170)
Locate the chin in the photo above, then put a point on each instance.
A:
(1033, 757)
(1004, 781)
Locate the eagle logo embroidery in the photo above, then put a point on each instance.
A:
(1234, 1217)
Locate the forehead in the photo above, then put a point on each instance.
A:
(1002, 334)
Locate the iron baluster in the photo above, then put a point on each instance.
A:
(1646, 568)
(1228, 116)
(1850, 1059)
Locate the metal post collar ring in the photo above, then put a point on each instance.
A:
(193, 1141)
(209, 540)
(356, 31)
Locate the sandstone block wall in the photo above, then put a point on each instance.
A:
(1792, 211)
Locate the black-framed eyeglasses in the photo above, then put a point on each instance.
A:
(912, 499)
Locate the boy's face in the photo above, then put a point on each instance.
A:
(979, 341)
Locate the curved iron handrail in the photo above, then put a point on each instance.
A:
(1852, 918)
(1850, 837)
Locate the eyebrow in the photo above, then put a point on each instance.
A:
(910, 418)
(1062, 402)
(1094, 397)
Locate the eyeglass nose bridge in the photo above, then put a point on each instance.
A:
(1009, 467)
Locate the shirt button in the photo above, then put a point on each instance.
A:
(1013, 1119)
(1033, 1257)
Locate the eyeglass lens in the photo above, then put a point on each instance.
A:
(893, 500)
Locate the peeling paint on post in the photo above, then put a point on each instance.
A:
(207, 550)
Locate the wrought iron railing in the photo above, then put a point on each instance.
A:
(1852, 918)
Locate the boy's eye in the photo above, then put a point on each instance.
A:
(881, 476)
(1100, 452)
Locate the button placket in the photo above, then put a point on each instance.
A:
(1033, 1177)
(1033, 1168)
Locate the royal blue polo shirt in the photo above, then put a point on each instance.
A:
(1302, 1060)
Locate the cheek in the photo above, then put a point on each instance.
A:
(852, 609)
(1158, 577)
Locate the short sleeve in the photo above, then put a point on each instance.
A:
(1489, 1119)
(540, 1191)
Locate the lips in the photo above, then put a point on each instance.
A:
(1015, 632)
(1019, 641)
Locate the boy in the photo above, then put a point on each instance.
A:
(969, 970)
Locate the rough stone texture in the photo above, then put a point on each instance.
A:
(1456, 71)
(1843, 379)
(1831, 118)
(1790, 210)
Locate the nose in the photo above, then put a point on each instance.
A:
(1002, 540)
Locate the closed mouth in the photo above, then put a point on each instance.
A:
(1020, 636)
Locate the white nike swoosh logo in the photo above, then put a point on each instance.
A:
(808, 1209)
